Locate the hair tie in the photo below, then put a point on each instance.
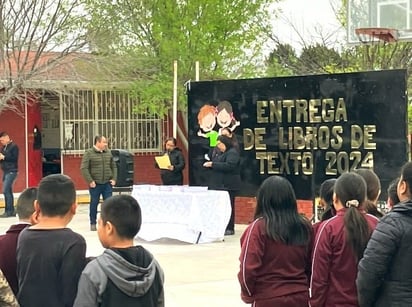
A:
(352, 203)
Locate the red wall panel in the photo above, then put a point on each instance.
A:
(13, 124)
(71, 167)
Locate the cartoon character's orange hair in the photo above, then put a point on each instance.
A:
(205, 110)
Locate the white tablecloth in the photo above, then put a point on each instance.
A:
(189, 214)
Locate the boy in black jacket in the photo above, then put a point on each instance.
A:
(124, 275)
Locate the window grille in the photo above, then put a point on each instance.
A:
(86, 114)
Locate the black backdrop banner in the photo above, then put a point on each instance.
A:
(306, 128)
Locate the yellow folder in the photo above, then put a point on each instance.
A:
(163, 161)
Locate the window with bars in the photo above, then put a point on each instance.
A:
(110, 113)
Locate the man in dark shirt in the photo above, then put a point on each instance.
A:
(9, 156)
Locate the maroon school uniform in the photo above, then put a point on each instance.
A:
(316, 227)
(272, 273)
(8, 261)
(334, 265)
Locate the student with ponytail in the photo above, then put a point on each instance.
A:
(339, 245)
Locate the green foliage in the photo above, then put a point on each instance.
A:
(282, 61)
(223, 35)
(314, 59)
(151, 95)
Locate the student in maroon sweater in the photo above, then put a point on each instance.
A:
(8, 241)
(339, 245)
(275, 254)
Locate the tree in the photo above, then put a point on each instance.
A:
(35, 36)
(314, 59)
(282, 61)
(225, 36)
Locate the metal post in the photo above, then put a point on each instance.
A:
(175, 99)
(26, 140)
(197, 70)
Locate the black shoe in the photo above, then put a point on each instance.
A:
(93, 227)
(229, 232)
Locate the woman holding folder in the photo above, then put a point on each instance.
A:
(171, 164)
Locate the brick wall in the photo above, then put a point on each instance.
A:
(305, 207)
(245, 209)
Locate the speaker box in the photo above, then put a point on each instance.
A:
(125, 167)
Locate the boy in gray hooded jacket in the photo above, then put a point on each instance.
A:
(124, 275)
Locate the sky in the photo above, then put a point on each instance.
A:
(314, 20)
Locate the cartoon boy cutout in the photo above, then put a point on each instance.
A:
(225, 116)
(207, 121)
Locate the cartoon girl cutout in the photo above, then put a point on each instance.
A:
(225, 116)
(207, 121)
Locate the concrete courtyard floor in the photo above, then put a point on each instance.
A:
(201, 275)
